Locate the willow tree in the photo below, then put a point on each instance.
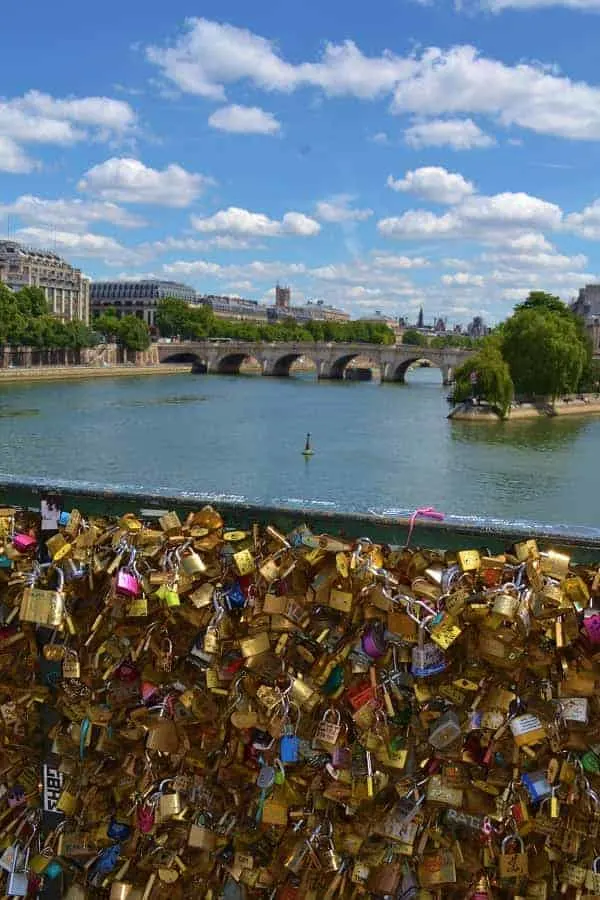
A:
(485, 375)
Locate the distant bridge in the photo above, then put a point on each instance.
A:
(331, 360)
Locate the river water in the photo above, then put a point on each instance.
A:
(378, 447)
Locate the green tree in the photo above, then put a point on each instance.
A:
(414, 338)
(545, 347)
(493, 384)
(32, 301)
(107, 325)
(133, 333)
(175, 317)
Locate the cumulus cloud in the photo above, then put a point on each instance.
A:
(69, 213)
(208, 56)
(478, 218)
(339, 209)
(13, 158)
(462, 279)
(459, 134)
(80, 244)
(242, 222)
(586, 223)
(500, 5)
(433, 183)
(130, 181)
(244, 120)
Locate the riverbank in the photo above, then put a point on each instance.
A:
(69, 373)
(590, 406)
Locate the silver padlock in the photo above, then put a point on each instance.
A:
(427, 658)
(18, 878)
(445, 730)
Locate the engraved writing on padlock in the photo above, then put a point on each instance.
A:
(592, 877)
(329, 728)
(427, 658)
(513, 865)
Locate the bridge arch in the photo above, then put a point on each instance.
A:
(339, 366)
(398, 372)
(282, 365)
(231, 363)
(198, 364)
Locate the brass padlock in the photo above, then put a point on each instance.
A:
(169, 804)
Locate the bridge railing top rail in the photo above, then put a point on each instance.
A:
(387, 525)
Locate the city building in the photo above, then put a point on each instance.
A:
(312, 311)
(137, 298)
(380, 319)
(283, 297)
(587, 306)
(477, 328)
(67, 290)
(235, 308)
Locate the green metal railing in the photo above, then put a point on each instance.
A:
(453, 532)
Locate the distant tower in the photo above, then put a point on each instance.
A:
(282, 297)
(420, 321)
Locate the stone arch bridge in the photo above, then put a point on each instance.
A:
(330, 359)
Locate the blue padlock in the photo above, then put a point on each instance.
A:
(53, 869)
(64, 518)
(537, 786)
(118, 831)
(5, 562)
(235, 597)
(289, 748)
(106, 860)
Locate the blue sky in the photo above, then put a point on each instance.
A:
(378, 156)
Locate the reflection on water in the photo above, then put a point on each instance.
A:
(528, 434)
(376, 446)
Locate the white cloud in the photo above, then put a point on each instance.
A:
(498, 217)
(433, 183)
(339, 209)
(459, 134)
(13, 158)
(380, 137)
(500, 5)
(298, 223)
(241, 222)
(462, 279)
(38, 118)
(586, 223)
(130, 181)
(389, 261)
(80, 244)
(460, 80)
(244, 120)
(69, 213)
(193, 267)
(207, 56)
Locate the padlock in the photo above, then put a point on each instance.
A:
(527, 730)
(445, 730)
(506, 604)
(592, 877)
(192, 564)
(17, 884)
(386, 878)
(427, 658)
(24, 543)
(513, 865)
(200, 836)
(328, 730)
(169, 804)
(572, 875)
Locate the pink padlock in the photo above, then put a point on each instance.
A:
(591, 624)
(127, 583)
(23, 542)
(145, 815)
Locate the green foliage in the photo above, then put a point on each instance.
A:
(494, 383)
(133, 333)
(175, 318)
(545, 346)
(414, 338)
(25, 319)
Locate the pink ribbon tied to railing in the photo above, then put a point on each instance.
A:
(427, 512)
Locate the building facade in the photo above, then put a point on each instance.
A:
(235, 308)
(587, 306)
(137, 298)
(67, 290)
(316, 311)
